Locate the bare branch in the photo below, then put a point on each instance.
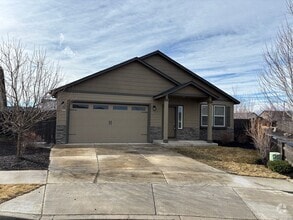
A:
(28, 79)
(277, 79)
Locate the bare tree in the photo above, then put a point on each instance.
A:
(260, 132)
(29, 76)
(277, 79)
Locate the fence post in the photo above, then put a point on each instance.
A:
(282, 150)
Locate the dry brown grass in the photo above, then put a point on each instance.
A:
(10, 191)
(231, 159)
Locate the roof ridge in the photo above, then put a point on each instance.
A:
(194, 75)
(54, 91)
(179, 87)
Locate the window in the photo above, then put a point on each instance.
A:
(100, 106)
(138, 108)
(180, 117)
(204, 115)
(120, 107)
(80, 105)
(219, 116)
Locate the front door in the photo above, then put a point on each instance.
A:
(172, 122)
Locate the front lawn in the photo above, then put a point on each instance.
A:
(234, 160)
(10, 191)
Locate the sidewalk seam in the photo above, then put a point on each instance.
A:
(156, 167)
(43, 202)
(154, 199)
(244, 203)
(97, 174)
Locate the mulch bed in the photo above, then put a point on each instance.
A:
(34, 158)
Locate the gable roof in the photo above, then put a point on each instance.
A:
(182, 86)
(135, 59)
(195, 76)
(275, 115)
(165, 76)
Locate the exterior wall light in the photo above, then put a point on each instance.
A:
(154, 108)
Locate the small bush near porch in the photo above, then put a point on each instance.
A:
(234, 160)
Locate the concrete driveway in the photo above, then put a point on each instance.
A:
(123, 163)
(147, 182)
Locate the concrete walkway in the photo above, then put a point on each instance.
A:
(23, 177)
(147, 182)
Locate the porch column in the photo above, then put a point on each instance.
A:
(165, 120)
(210, 120)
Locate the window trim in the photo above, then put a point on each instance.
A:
(78, 106)
(201, 115)
(213, 115)
(117, 107)
(101, 105)
(223, 116)
(180, 109)
(139, 108)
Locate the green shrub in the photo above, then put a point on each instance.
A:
(258, 161)
(280, 166)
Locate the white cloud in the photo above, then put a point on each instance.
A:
(69, 52)
(61, 39)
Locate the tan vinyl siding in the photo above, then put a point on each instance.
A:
(166, 67)
(156, 116)
(133, 78)
(190, 91)
(177, 73)
(61, 111)
(191, 114)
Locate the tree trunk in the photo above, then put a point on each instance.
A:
(19, 146)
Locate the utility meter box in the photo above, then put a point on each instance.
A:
(275, 156)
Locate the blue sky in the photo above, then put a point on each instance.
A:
(220, 40)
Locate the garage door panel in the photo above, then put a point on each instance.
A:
(114, 124)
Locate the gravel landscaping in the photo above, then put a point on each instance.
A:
(34, 158)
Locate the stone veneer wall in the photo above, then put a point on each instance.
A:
(155, 133)
(187, 133)
(61, 134)
(223, 135)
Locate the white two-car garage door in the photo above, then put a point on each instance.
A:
(108, 123)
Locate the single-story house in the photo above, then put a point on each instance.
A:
(282, 120)
(141, 100)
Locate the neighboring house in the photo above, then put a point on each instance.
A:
(141, 100)
(245, 115)
(279, 119)
(48, 104)
(3, 100)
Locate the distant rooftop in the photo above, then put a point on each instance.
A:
(245, 115)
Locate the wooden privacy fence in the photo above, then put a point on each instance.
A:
(285, 147)
(46, 130)
(240, 131)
